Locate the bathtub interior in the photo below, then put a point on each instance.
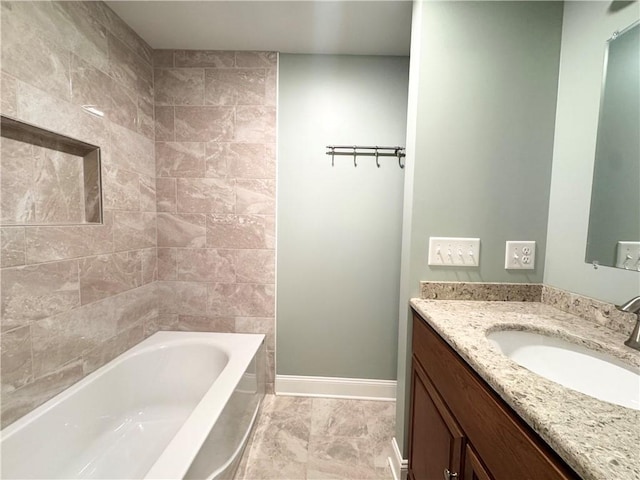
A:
(118, 426)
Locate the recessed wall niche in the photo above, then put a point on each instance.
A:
(47, 178)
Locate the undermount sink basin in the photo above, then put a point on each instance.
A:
(576, 367)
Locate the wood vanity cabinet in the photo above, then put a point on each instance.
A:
(460, 429)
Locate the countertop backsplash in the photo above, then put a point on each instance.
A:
(602, 313)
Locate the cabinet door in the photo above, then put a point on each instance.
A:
(436, 441)
(473, 467)
(509, 448)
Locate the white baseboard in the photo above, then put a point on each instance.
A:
(359, 388)
(399, 466)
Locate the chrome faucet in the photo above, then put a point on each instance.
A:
(632, 306)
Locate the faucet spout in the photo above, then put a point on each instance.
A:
(633, 306)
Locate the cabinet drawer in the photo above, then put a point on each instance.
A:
(508, 447)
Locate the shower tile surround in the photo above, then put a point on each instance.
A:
(74, 297)
(199, 148)
(215, 167)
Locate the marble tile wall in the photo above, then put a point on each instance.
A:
(215, 131)
(74, 297)
(40, 185)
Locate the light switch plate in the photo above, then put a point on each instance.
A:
(628, 255)
(454, 252)
(520, 255)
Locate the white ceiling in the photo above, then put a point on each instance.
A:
(324, 27)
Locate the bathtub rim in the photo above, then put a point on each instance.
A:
(179, 454)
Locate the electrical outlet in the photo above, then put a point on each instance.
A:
(520, 255)
(454, 251)
(628, 255)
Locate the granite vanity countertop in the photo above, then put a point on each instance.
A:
(599, 440)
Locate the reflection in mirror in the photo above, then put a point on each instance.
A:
(47, 178)
(614, 217)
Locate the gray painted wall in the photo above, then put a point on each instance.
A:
(484, 79)
(586, 28)
(338, 239)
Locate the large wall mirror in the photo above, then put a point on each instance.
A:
(614, 218)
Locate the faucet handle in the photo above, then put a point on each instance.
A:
(633, 306)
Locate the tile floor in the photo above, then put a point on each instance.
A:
(301, 438)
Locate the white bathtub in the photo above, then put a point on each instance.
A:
(177, 405)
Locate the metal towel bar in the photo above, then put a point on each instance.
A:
(365, 151)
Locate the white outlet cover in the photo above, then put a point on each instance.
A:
(628, 255)
(520, 255)
(454, 252)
